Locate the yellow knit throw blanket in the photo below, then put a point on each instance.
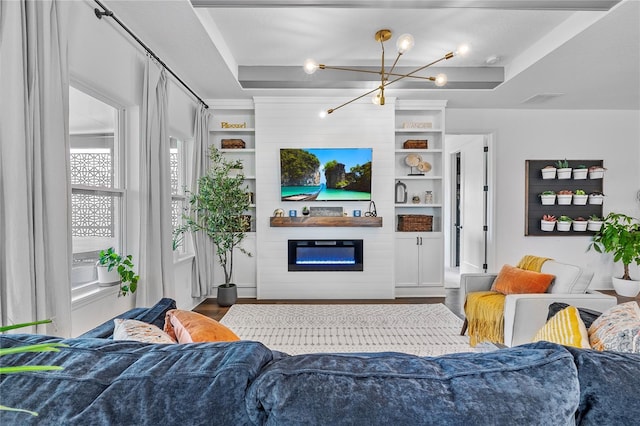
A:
(484, 310)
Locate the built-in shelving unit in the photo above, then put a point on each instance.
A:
(419, 255)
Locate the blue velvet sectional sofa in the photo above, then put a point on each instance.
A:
(107, 382)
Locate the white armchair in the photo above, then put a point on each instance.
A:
(525, 314)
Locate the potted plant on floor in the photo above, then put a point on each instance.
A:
(620, 235)
(114, 268)
(216, 209)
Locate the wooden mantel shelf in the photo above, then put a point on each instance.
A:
(371, 222)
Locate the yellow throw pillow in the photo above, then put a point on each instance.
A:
(189, 327)
(512, 280)
(565, 328)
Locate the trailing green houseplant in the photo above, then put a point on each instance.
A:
(619, 235)
(124, 266)
(218, 207)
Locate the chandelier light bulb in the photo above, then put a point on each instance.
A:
(376, 99)
(310, 66)
(405, 43)
(322, 114)
(441, 80)
(463, 49)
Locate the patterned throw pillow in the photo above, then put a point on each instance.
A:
(616, 328)
(565, 328)
(128, 329)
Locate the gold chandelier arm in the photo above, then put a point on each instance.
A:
(445, 57)
(330, 110)
(394, 64)
(328, 67)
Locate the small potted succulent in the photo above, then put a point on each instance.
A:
(580, 172)
(564, 171)
(564, 197)
(596, 197)
(579, 224)
(580, 197)
(564, 223)
(596, 172)
(595, 223)
(548, 172)
(548, 223)
(548, 198)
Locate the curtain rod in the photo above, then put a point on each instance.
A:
(110, 14)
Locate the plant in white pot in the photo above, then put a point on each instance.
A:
(580, 197)
(564, 223)
(216, 208)
(595, 223)
(580, 172)
(596, 172)
(564, 171)
(620, 235)
(579, 224)
(114, 268)
(596, 197)
(548, 172)
(564, 197)
(548, 223)
(548, 198)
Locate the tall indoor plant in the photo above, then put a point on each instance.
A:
(620, 235)
(217, 208)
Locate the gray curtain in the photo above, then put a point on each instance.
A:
(35, 189)
(202, 276)
(156, 257)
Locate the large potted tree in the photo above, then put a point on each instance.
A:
(620, 235)
(217, 208)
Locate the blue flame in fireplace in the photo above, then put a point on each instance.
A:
(325, 256)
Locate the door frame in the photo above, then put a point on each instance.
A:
(450, 151)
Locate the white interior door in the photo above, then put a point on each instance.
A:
(472, 204)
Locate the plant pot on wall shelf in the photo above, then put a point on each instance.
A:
(564, 197)
(580, 198)
(548, 198)
(564, 171)
(580, 172)
(548, 223)
(596, 172)
(548, 172)
(579, 224)
(596, 198)
(594, 224)
(564, 223)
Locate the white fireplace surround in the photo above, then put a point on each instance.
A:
(295, 123)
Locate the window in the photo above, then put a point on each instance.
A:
(97, 192)
(178, 199)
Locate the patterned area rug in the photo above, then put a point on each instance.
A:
(296, 329)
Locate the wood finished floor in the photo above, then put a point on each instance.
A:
(454, 300)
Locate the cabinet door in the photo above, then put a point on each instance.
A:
(431, 262)
(407, 260)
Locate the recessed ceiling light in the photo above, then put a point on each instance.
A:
(492, 60)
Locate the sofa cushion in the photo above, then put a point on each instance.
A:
(512, 280)
(565, 328)
(609, 383)
(588, 316)
(616, 328)
(120, 382)
(569, 278)
(510, 386)
(189, 327)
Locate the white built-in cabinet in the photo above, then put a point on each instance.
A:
(235, 119)
(419, 256)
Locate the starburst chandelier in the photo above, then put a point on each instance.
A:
(404, 43)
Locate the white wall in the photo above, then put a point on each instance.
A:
(613, 136)
(104, 59)
(294, 123)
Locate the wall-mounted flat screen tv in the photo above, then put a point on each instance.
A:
(325, 174)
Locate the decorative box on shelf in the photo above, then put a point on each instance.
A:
(415, 223)
(232, 144)
(415, 144)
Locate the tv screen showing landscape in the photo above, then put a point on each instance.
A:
(325, 174)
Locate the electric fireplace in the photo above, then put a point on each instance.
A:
(325, 255)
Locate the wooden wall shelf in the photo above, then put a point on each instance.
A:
(326, 221)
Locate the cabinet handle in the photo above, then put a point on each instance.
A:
(417, 241)
(420, 240)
